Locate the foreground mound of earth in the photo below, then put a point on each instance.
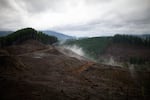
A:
(33, 71)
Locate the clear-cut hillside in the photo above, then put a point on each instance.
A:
(34, 71)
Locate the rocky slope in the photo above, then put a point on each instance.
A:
(33, 71)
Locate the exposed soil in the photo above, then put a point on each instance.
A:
(33, 71)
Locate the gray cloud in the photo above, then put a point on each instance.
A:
(77, 17)
(34, 6)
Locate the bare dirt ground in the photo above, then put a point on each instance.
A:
(40, 72)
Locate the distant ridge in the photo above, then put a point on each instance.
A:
(60, 36)
(4, 33)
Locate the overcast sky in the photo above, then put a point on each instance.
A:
(77, 17)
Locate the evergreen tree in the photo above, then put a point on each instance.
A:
(25, 34)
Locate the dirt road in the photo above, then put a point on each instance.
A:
(37, 51)
(83, 67)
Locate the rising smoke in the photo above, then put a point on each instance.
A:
(72, 51)
(79, 53)
(78, 50)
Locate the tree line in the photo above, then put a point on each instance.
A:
(25, 34)
(129, 39)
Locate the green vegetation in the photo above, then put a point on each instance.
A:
(92, 46)
(137, 60)
(129, 39)
(24, 34)
(140, 63)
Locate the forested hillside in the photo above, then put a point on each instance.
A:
(121, 48)
(92, 46)
(129, 39)
(25, 34)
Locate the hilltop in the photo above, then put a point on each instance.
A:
(25, 34)
(60, 36)
(32, 70)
